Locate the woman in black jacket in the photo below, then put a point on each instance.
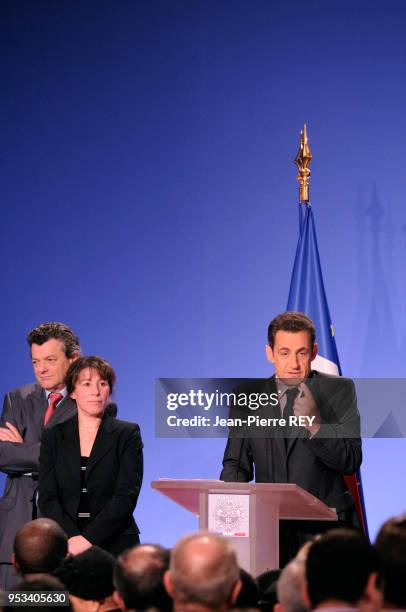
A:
(91, 466)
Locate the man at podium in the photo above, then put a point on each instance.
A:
(316, 441)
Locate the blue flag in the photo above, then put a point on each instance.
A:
(307, 294)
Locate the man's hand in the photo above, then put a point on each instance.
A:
(10, 434)
(304, 405)
(78, 544)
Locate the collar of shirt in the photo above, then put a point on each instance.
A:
(282, 387)
(63, 392)
(282, 397)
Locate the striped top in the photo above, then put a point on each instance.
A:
(83, 510)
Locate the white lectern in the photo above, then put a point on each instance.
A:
(246, 513)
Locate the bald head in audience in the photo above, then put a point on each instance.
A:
(204, 574)
(39, 547)
(138, 578)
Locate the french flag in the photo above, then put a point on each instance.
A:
(307, 294)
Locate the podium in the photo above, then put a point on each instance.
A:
(248, 514)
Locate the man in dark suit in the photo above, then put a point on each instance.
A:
(26, 411)
(315, 455)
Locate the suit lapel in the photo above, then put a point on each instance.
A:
(294, 434)
(105, 438)
(39, 405)
(70, 450)
(65, 410)
(292, 431)
(300, 432)
(283, 448)
(271, 389)
(279, 442)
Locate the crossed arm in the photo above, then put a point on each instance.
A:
(16, 455)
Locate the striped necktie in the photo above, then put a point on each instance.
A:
(53, 399)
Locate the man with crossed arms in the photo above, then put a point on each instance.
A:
(26, 410)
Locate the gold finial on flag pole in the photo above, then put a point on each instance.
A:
(302, 161)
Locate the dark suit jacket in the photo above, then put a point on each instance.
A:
(113, 479)
(25, 408)
(317, 464)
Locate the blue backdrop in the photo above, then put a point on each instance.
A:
(149, 200)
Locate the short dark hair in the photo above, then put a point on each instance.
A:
(138, 577)
(102, 366)
(249, 595)
(59, 331)
(88, 575)
(40, 546)
(338, 566)
(391, 546)
(291, 321)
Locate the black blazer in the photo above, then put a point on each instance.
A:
(317, 464)
(113, 479)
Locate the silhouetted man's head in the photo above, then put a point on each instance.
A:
(341, 569)
(39, 547)
(391, 547)
(138, 578)
(88, 577)
(204, 573)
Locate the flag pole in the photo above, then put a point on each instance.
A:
(302, 161)
(307, 294)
